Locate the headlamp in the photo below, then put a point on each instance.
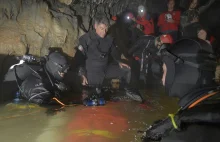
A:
(128, 17)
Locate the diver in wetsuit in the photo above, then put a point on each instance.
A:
(39, 83)
(188, 74)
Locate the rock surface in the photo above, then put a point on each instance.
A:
(32, 23)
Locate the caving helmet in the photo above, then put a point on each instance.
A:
(141, 10)
(129, 16)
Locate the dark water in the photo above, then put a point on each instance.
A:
(114, 122)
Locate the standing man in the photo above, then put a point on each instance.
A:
(95, 48)
(169, 21)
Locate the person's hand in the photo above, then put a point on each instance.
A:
(84, 80)
(170, 20)
(123, 57)
(133, 19)
(124, 65)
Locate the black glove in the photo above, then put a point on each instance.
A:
(61, 86)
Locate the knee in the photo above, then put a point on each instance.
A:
(126, 70)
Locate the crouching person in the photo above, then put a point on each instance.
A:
(94, 50)
(39, 83)
(188, 74)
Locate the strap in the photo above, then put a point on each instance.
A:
(202, 99)
(173, 120)
(17, 79)
(178, 60)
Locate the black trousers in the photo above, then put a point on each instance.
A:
(113, 70)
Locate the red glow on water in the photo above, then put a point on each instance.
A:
(99, 124)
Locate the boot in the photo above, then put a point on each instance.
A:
(134, 94)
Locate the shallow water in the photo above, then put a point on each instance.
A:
(114, 122)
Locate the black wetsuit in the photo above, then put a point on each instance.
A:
(97, 65)
(36, 83)
(191, 30)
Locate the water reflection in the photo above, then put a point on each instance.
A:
(116, 121)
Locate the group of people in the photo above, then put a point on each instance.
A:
(188, 72)
(177, 23)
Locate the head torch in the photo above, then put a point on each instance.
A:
(141, 10)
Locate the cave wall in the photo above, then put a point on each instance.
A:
(31, 23)
(40, 24)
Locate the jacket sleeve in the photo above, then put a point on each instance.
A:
(205, 7)
(80, 56)
(115, 53)
(144, 22)
(160, 22)
(177, 18)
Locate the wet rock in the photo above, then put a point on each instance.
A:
(67, 2)
(10, 39)
(33, 24)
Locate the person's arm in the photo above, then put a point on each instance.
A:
(144, 22)
(205, 7)
(80, 58)
(177, 18)
(116, 55)
(161, 20)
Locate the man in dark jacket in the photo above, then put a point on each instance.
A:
(95, 48)
(188, 73)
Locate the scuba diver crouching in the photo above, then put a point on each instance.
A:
(39, 81)
(188, 74)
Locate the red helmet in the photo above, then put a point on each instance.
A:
(114, 18)
(166, 39)
(130, 15)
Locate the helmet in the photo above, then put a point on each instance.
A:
(129, 16)
(56, 63)
(114, 18)
(141, 9)
(190, 66)
(166, 39)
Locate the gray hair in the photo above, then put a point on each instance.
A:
(101, 19)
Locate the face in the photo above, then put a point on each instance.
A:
(158, 44)
(61, 74)
(101, 29)
(141, 12)
(164, 74)
(202, 34)
(171, 5)
(193, 5)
